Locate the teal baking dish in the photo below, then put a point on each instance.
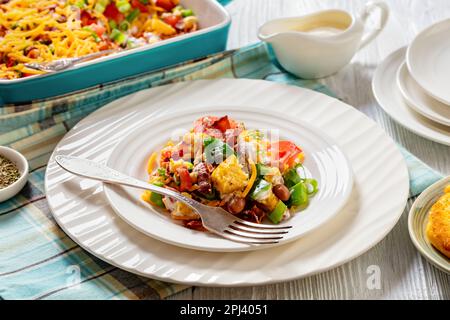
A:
(211, 38)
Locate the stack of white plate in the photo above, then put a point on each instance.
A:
(413, 84)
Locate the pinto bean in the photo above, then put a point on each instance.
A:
(282, 192)
(236, 205)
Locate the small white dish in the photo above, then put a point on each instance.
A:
(420, 101)
(418, 220)
(428, 60)
(389, 97)
(324, 161)
(22, 164)
(320, 44)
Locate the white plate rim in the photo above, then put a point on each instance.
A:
(418, 106)
(378, 94)
(255, 281)
(111, 194)
(410, 63)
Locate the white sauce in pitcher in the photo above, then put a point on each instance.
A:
(325, 31)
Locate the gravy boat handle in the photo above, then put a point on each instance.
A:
(368, 10)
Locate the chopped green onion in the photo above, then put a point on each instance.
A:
(156, 198)
(133, 15)
(112, 24)
(143, 1)
(187, 13)
(115, 34)
(277, 214)
(299, 195)
(162, 172)
(99, 8)
(260, 189)
(177, 8)
(263, 169)
(93, 33)
(81, 3)
(118, 36)
(123, 5)
(124, 25)
(291, 178)
(311, 186)
(216, 151)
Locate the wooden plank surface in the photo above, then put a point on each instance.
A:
(404, 274)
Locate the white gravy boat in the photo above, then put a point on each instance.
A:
(320, 44)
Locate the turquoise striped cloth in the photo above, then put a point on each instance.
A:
(37, 259)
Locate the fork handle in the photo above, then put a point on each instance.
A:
(96, 171)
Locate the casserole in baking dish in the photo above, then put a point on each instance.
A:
(212, 22)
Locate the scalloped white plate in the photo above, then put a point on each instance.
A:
(376, 203)
(428, 60)
(389, 97)
(419, 100)
(324, 161)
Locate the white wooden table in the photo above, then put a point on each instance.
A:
(404, 274)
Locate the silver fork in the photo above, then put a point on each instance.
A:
(214, 219)
(61, 64)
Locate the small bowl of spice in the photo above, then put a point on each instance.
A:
(13, 173)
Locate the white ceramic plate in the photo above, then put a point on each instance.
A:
(418, 220)
(378, 198)
(419, 100)
(324, 161)
(428, 60)
(389, 97)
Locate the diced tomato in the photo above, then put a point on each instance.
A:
(194, 224)
(223, 124)
(86, 18)
(32, 53)
(139, 5)
(215, 133)
(10, 62)
(172, 20)
(185, 179)
(287, 153)
(204, 123)
(104, 45)
(99, 30)
(165, 155)
(165, 4)
(27, 74)
(111, 12)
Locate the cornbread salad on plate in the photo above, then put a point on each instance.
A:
(220, 163)
(273, 170)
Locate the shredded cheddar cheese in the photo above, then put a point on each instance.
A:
(48, 30)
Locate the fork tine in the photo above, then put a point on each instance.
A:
(251, 235)
(260, 226)
(258, 230)
(246, 240)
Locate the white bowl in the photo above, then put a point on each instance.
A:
(22, 164)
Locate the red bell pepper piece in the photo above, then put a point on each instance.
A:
(86, 18)
(185, 179)
(172, 20)
(165, 4)
(137, 4)
(111, 12)
(287, 153)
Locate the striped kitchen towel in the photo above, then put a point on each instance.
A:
(37, 259)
